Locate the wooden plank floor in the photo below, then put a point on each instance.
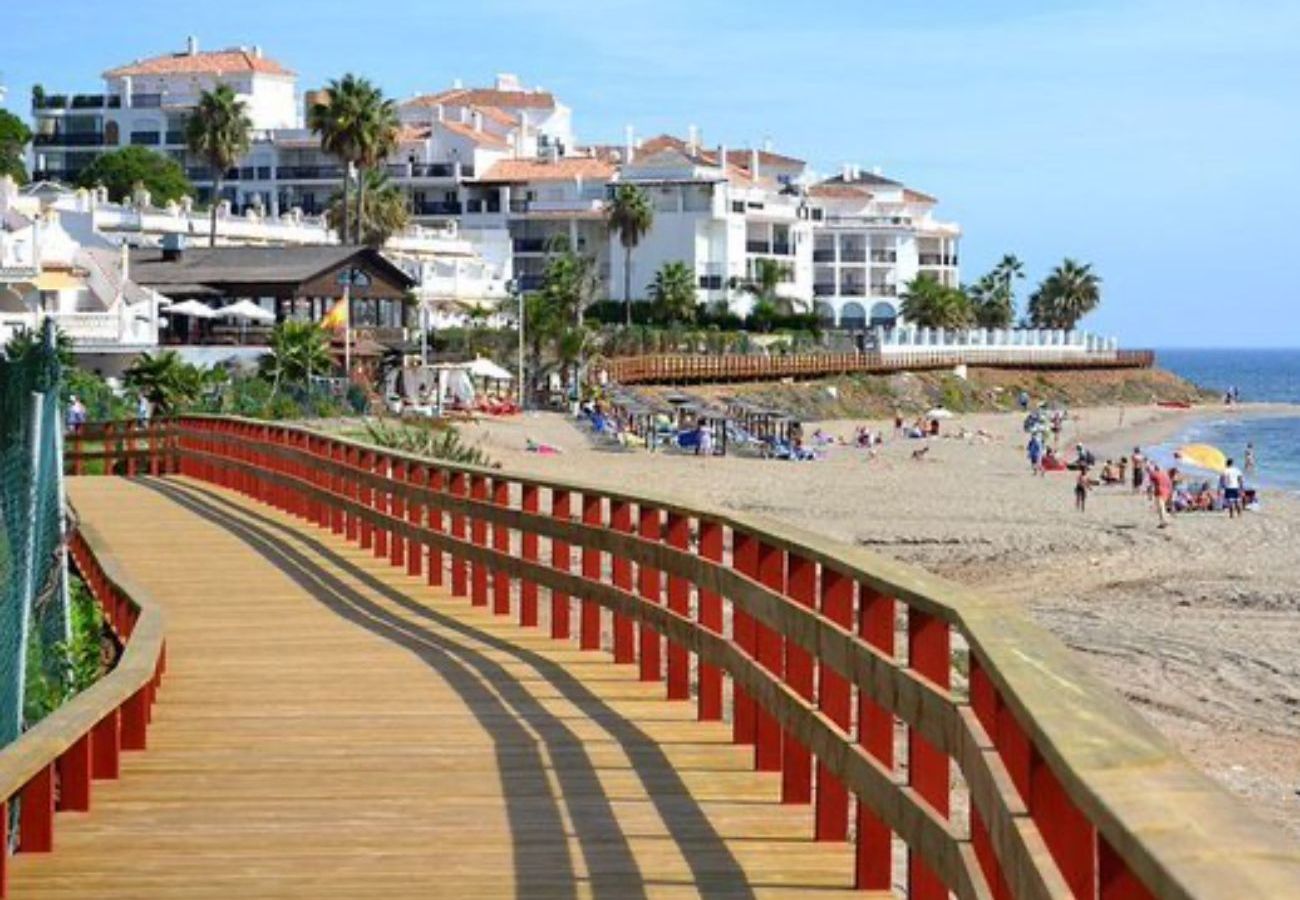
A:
(330, 728)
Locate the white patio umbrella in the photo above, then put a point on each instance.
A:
(192, 308)
(247, 311)
(486, 368)
(939, 413)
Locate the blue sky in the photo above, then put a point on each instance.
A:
(1159, 140)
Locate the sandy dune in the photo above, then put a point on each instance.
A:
(1199, 624)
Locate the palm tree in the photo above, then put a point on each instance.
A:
(673, 292)
(991, 301)
(631, 215)
(378, 139)
(768, 275)
(928, 303)
(218, 132)
(1070, 292)
(166, 380)
(1009, 269)
(297, 350)
(344, 116)
(384, 214)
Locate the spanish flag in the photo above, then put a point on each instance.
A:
(337, 318)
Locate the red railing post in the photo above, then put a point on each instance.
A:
(1068, 834)
(338, 485)
(560, 560)
(620, 519)
(459, 581)
(796, 764)
(835, 700)
(418, 476)
(648, 586)
(75, 776)
(679, 601)
(351, 490)
(874, 851)
(105, 748)
(478, 490)
(744, 557)
(381, 506)
(769, 648)
(434, 479)
(501, 543)
(36, 813)
(593, 515)
(366, 466)
(710, 615)
(529, 547)
(929, 649)
(135, 721)
(397, 510)
(984, 703)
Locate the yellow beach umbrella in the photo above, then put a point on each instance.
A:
(1203, 456)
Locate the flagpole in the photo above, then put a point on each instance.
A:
(347, 331)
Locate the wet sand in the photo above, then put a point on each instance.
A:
(1198, 625)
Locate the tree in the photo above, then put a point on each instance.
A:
(1070, 292)
(122, 171)
(930, 304)
(991, 302)
(14, 138)
(384, 214)
(348, 119)
(165, 380)
(378, 140)
(768, 275)
(630, 215)
(673, 292)
(218, 131)
(297, 351)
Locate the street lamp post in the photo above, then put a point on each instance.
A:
(512, 286)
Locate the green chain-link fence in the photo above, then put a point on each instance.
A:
(34, 622)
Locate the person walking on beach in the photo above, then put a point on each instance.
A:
(1139, 468)
(1035, 451)
(1230, 483)
(76, 415)
(1081, 488)
(1162, 488)
(1250, 459)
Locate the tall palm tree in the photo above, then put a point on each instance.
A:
(296, 351)
(165, 379)
(379, 125)
(1070, 292)
(930, 304)
(1009, 270)
(342, 116)
(631, 215)
(218, 131)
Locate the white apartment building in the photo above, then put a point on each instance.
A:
(873, 236)
(501, 169)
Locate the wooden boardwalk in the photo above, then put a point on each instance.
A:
(332, 728)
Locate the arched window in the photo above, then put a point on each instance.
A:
(883, 314)
(853, 315)
(825, 313)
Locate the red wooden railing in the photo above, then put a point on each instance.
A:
(684, 368)
(818, 651)
(53, 767)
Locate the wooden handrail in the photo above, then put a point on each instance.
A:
(1071, 789)
(668, 368)
(81, 741)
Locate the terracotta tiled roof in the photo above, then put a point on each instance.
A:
(839, 192)
(409, 133)
(765, 158)
(212, 62)
(912, 196)
(478, 137)
(486, 97)
(566, 168)
(500, 116)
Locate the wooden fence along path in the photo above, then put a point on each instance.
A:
(688, 369)
(388, 677)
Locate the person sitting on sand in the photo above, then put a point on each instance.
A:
(1110, 473)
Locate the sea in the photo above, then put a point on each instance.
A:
(1259, 376)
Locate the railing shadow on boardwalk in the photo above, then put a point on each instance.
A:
(609, 858)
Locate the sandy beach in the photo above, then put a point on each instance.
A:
(1198, 625)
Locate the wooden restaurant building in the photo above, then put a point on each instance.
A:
(293, 283)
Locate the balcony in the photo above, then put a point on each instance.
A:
(853, 290)
(824, 256)
(69, 139)
(68, 176)
(884, 256)
(145, 139)
(421, 170)
(437, 208)
(853, 254)
(309, 173)
(884, 290)
(50, 101)
(782, 249)
(936, 259)
(530, 282)
(479, 205)
(146, 101)
(529, 245)
(88, 101)
(824, 290)
(758, 247)
(175, 138)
